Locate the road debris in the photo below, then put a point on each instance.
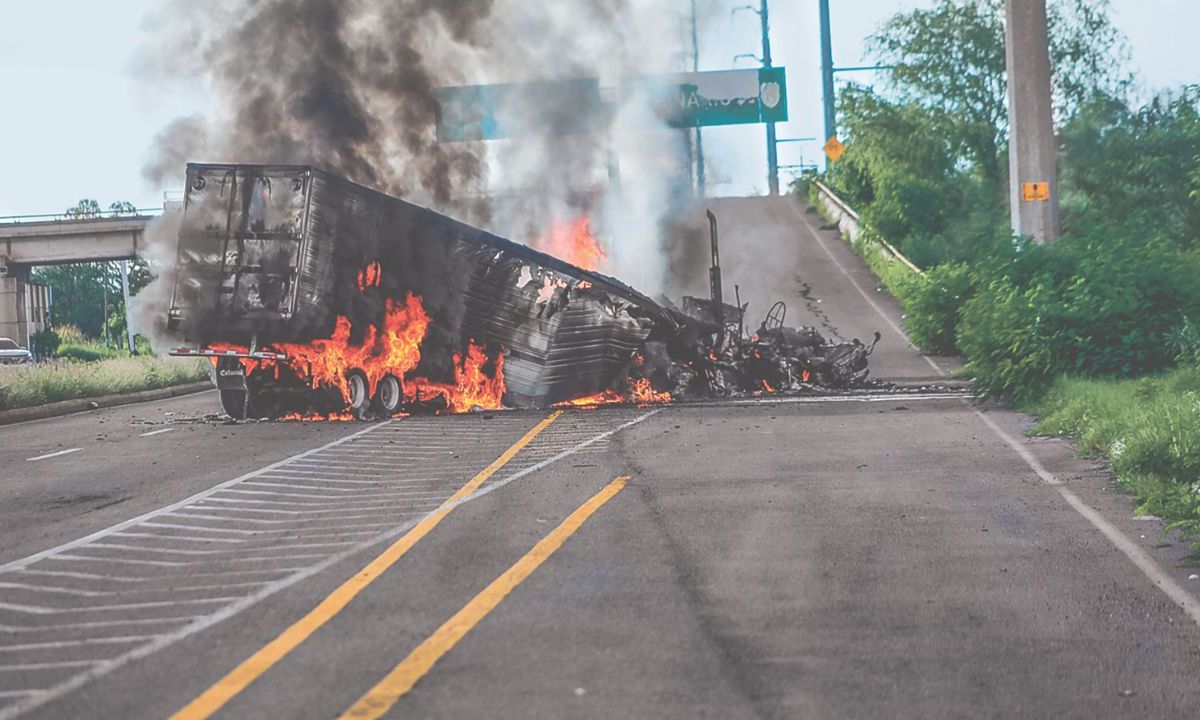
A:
(315, 298)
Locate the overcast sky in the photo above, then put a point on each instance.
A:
(75, 121)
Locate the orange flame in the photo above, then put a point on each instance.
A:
(608, 397)
(574, 242)
(640, 393)
(396, 351)
(370, 276)
(472, 388)
(644, 394)
(335, 417)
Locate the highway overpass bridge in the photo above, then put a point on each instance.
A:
(32, 240)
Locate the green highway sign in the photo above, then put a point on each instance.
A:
(576, 107)
(723, 97)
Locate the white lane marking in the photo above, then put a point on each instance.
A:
(304, 513)
(99, 624)
(253, 521)
(254, 483)
(333, 498)
(371, 500)
(296, 524)
(74, 643)
(38, 610)
(17, 693)
(152, 433)
(89, 558)
(83, 576)
(219, 586)
(27, 561)
(52, 589)
(287, 475)
(167, 639)
(198, 528)
(325, 484)
(181, 538)
(258, 551)
(47, 456)
(1139, 557)
(47, 665)
(805, 399)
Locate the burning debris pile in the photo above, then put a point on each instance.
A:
(316, 297)
(709, 361)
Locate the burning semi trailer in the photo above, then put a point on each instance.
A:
(316, 297)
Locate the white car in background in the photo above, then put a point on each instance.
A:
(13, 354)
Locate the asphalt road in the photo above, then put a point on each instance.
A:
(899, 556)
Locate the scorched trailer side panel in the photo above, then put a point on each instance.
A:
(275, 253)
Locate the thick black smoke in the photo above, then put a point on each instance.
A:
(347, 85)
(351, 86)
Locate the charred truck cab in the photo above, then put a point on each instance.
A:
(273, 259)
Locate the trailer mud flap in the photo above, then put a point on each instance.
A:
(230, 375)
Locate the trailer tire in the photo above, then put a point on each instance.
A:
(389, 396)
(360, 394)
(236, 403)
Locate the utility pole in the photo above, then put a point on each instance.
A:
(1033, 172)
(827, 73)
(699, 147)
(104, 320)
(764, 15)
(125, 299)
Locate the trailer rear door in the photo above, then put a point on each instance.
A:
(240, 242)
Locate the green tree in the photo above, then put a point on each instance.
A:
(82, 291)
(86, 208)
(950, 58)
(1139, 167)
(79, 294)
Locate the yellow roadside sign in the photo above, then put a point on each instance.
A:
(1035, 191)
(834, 149)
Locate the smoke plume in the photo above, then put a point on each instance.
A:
(351, 86)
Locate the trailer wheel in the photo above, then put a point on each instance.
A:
(235, 403)
(389, 396)
(360, 395)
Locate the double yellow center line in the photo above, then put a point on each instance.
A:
(379, 699)
(253, 667)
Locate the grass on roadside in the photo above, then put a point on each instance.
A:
(1147, 428)
(40, 384)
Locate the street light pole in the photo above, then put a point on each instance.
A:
(700, 179)
(764, 15)
(827, 73)
(1033, 174)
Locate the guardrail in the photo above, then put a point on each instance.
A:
(70, 217)
(852, 225)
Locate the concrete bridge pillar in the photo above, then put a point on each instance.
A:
(24, 306)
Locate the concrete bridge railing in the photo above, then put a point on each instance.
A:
(852, 226)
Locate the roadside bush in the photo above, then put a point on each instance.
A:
(1185, 342)
(71, 335)
(1093, 305)
(88, 352)
(46, 343)
(932, 306)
